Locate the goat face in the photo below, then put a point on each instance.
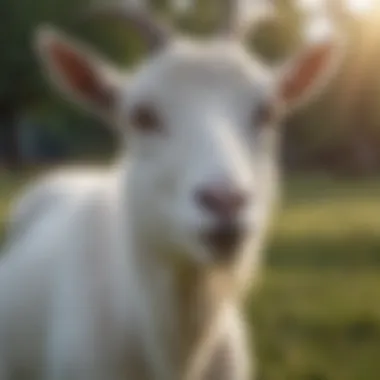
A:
(200, 123)
(200, 119)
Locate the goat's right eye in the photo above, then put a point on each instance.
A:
(265, 114)
(146, 119)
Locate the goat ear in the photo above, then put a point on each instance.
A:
(78, 73)
(308, 73)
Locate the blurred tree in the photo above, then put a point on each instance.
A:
(20, 82)
(338, 126)
(21, 85)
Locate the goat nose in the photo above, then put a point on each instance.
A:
(222, 201)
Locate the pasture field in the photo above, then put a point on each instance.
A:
(316, 311)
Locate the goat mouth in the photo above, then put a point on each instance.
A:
(225, 240)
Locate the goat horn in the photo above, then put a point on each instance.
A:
(155, 32)
(236, 22)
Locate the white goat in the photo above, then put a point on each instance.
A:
(138, 272)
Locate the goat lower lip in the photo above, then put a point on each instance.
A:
(224, 240)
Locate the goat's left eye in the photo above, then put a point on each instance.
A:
(146, 119)
(264, 114)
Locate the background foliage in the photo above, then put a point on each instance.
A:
(338, 133)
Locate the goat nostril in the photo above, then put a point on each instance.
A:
(208, 200)
(222, 202)
(238, 200)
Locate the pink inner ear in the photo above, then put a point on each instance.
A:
(306, 72)
(80, 74)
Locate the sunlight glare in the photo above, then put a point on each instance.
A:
(360, 6)
(318, 29)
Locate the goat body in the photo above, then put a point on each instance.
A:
(83, 305)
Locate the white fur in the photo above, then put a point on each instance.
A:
(104, 275)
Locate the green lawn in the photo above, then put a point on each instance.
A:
(316, 313)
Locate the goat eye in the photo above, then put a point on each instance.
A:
(145, 118)
(264, 114)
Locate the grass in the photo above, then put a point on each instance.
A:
(318, 325)
(327, 223)
(9, 185)
(316, 313)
